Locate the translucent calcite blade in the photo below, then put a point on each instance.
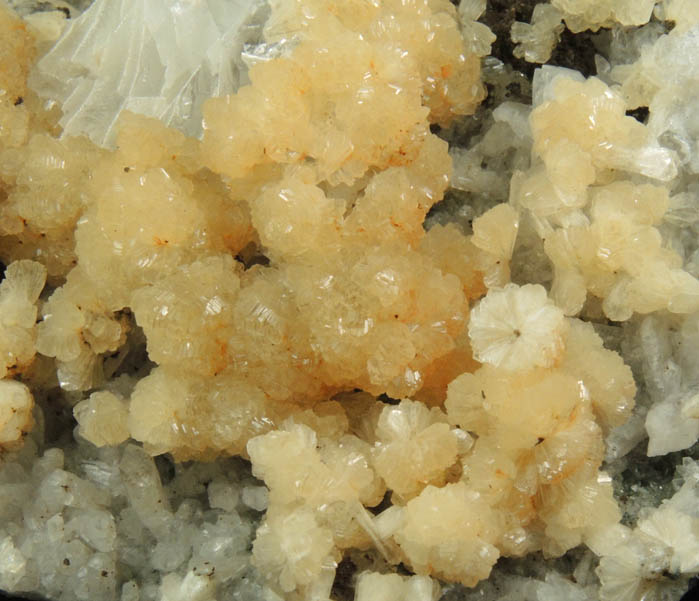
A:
(159, 58)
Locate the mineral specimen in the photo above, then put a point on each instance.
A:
(255, 275)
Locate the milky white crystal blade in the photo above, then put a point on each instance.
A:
(517, 328)
(160, 58)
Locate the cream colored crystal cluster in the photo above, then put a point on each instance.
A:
(284, 283)
(537, 39)
(597, 220)
(19, 292)
(24, 280)
(593, 14)
(530, 480)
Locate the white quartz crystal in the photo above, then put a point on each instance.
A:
(144, 489)
(222, 495)
(669, 359)
(62, 532)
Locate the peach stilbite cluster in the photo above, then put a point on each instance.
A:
(280, 274)
(311, 178)
(24, 279)
(153, 232)
(40, 177)
(19, 292)
(593, 196)
(530, 481)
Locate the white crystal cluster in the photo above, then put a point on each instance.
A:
(159, 58)
(89, 524)
(664, 541)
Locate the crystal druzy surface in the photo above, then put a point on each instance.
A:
(302, 301)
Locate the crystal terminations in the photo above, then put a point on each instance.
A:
(280, 276)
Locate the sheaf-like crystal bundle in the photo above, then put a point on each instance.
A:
(158, 58)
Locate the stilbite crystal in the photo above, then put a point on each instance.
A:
(414, 385)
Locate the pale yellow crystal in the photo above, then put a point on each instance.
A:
(599, 226)
(295, 465)
(538, 445)
(536, 41)
(187, 316)
(449, 532)
(17, 50)
(415, 447)
(372, 586)
(495, 233)
(608, 379)
(19, 292)
(619, 256)
(593, 14)
(103, 419)
(292, 548)
(684, 13)
(592, 116)
(16, 402)
(195, 416)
